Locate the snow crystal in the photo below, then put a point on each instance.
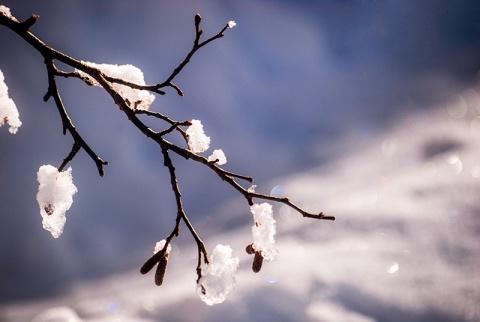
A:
(137, 99)
(218, 278)
(263, 230)
(218, 155)
(159, 246)
(231, 24)
(8, 109)
(6, 11)
(54, 197)
(197, 140)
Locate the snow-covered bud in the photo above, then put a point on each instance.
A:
(8, 109)
(54, 197)
(218, 156)
(263, 230)
(197, 140)
(231, 24)
(218, 278)
(161, 245)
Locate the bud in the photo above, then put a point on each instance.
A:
(257, 262)
(49, 209)
(198, 18)
(30, 22)
(161, 270)
(249, 249)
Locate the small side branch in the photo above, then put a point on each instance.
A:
(174, 125)
(229, 177)
(196, 46)
(75, 148)
(182, 215)
(67, 122)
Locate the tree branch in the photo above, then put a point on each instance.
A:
(106, 82)
(67, 122)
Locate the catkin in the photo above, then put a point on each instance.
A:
(257, 262)
(161, 269)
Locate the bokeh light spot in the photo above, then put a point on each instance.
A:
(272, 279)
(389, 147)
(149, 305)
(454, 162)
(457, 107)
(475, 172)
(113, 307)
(475, 125)
(393, 268)
(472, 99)
(278, 191)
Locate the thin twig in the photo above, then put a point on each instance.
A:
(66, 121)
(196, 46)
(174, 124)
(75, 148)
(181, 212)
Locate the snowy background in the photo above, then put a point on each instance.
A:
(367, 110)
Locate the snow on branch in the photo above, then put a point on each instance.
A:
(126, 86)
(54, 197)
(8, 110)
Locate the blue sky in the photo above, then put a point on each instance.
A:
(277, 94)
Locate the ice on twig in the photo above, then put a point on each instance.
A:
(8, 109)
(6, 11)
(231, 24)
(197, 140)
(135, 98)
(218, 278)
(218, 155)
(54, 197)
(263, 230)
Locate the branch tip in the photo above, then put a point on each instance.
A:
(198, 19)
(30, 22)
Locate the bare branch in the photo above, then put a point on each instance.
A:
(66, 121)
(196, 46)
(75, 148)
(181, 213)
(51, 55)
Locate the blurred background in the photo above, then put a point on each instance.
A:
(295, 87)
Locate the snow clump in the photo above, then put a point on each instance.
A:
(159, 246)
(197, 140)
(54, 197)
(218, 278)
(218, 155)
(6, 11)
(135, 98)
(263, 231)
(8, 109)
(231, 24)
